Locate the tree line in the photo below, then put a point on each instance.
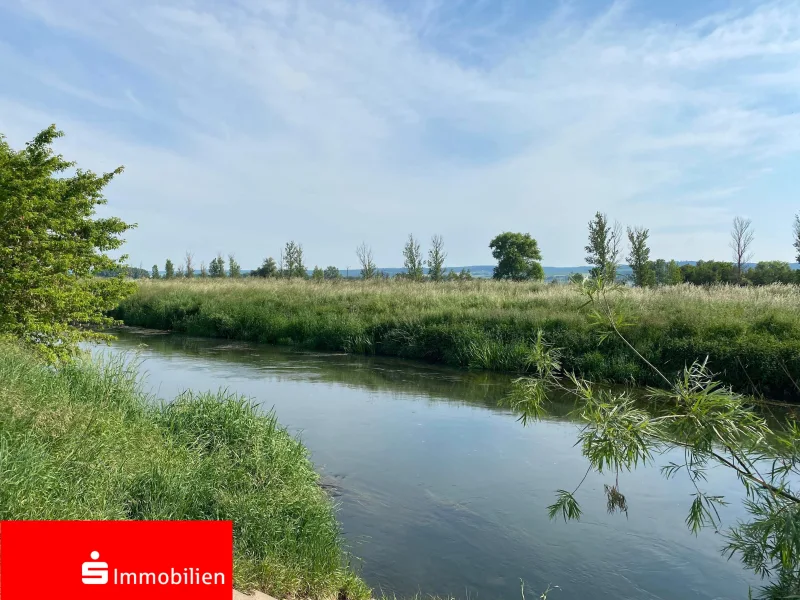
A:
(519, 259)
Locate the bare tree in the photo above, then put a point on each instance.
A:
(364, 254)
(741, 240)
(189, 265)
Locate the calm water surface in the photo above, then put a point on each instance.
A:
(443, 492)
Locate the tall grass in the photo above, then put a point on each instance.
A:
(83, 442)
(751, 335)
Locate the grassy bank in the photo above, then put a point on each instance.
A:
(82, 442)
(752, 335)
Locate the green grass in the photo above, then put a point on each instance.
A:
(83, 442)
(751, 335)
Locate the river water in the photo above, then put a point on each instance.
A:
(441, 491)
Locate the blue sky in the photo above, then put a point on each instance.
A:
(243, 124)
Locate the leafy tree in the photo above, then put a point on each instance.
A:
(364, 254)
(741, 240)
(796, 229)
(179, 272)
(169, 270)
(708, 272)
(603, 250)
(706, 424)
(51, 243)
(660, 271)
(189, 266)
(203, 270)
(317, 274)
(767, 272)
(436, 258)
(639, 257)
(234, 269)
(331, 273)
(154, 274)
(517, 256)
(577, 278)
(412, 256)
(464, 275)
(216, 268)
(267, 269)
(674, 275)
(293, 257)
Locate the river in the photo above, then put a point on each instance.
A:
(442, 491)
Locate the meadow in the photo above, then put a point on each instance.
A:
(750, 335)
(83, 442)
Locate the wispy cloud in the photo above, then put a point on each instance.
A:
(244, 124)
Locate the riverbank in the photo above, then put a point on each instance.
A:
(751, 335)
(84, 442)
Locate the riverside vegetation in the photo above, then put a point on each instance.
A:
(751, 335)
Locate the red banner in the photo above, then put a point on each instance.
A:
(116, 560)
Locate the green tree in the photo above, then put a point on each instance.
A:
(179, 272)
(169, 270)
(331, 273)
(317, 274)
(154, 274)
(412, 259)
(189, 273)
(517, 256)
(51, 243)
(706, 424)
(639, 257)
(216, 268)
(604, 248)
(796, 230)
(674, 275)
(368, 268)
(203, 270)
(267, 269)
(576, 278)
(436, 258)
(709, 272)
(767, 272)
(234, 269)
(293, 257)
(741, 240)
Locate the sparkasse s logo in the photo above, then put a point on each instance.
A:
(117, 560)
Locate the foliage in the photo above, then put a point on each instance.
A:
(331, 273)
(709, 272)
(169, 270)
(577, 278)
(463, 275)
(318, 274)
(154, 274)
(267, 269)
(769, 272)
(412, 259)
(83, 442)
(51, 243)
(741, 240)
(293, 261)
(604, 247)
(517, 256)
(234, 270)
(368, 268)
(189, 272)
(203, 270)
(130, 272)
(639, 257)
(436, 258)
(751, 335)
(216, 268)
(709, 424)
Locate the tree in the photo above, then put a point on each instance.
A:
(234, 270)
(154, 274)
(517, 256)
(179, 272)
(436, 258)
(639, 257)
(267, 269)
(331, 273)
(603, 250)
(706, 424)
(169, 270)
(51, 243)
(576, 278)
(364, 254)
(796, 228)
(293, 257)
(203, 270)
(674, 275)
(741, 240)
(412, 255)
(189, 266)
(767, 272)
(708, 272)
(317, 274)
(216, 268)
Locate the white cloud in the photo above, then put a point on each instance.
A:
(245, 124)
